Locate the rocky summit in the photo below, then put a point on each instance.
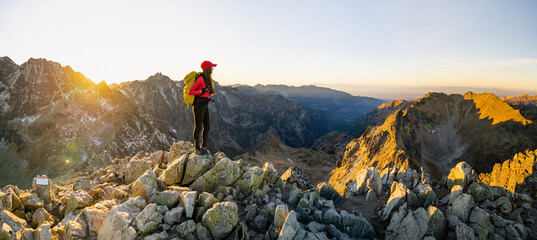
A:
(176, 194)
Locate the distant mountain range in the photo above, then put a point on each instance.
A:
(342, 108)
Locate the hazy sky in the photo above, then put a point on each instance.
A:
(376, 48)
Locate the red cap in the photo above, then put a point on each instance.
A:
(206, 64)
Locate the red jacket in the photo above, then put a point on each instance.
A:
(197, 86)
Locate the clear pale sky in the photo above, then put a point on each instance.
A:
(386, 49)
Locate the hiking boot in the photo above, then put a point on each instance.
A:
(199, 152)
(205, 152)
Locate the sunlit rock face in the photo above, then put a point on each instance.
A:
(438, 131)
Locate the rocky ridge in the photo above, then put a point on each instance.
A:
(177, 195)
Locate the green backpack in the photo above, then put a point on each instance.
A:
(189, 81)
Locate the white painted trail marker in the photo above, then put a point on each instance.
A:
(41, 181)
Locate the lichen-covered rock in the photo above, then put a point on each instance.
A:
(135, 169)
(463, 232)
(43, 232)
(332, 216)
(426, 195)
(175, 170)
(221, 219)
(461, 207)
(356, 226)
(195, 168)
(75, 229)
(117, 223)
(462, 174)
(249, 182)
(480, 221)
(290, 227)
(326, 191)
(11, 225)
(167, 198)
(34, 202)
(187, 229)
(224, 173)
(82, 183)
(149, 219)
(95, 218)
(202, 232)
(175, 215)
(271, 175)
(189, 202)
(76, 200)
(5, 202)
(41, 216)
(145, 185)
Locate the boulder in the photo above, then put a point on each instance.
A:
(187, 229)
(135, 169)
(332, 216)
(461, 207)
(34, 203)
(397, 199)
(271, 174)
(463, 232)
(5, 201)
(95, 218)
(290, 227)
(42, 186)
(202, 232)
(42, 232)
(167, 198)
(280, 214)
(356, 226)
(175, 215)
(149, 219)
(426, 195)
(11, 225)
(82, 183)
(41, 216)
(175, 170)
(462, 174)
(196, 166)
(480, 222)
(296, 174)
(327, 191)
(75, 229)
(78, 199)
(117, 223)
(365, 179)
(145, 185)
(249, 182)
(221, 219)
(189, 202)
(224, 173)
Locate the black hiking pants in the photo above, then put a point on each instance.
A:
(201, 119)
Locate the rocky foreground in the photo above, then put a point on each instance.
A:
(177, 195)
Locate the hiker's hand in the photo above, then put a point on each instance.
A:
(204, 90)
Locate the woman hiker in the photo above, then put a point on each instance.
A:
(202, 88)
